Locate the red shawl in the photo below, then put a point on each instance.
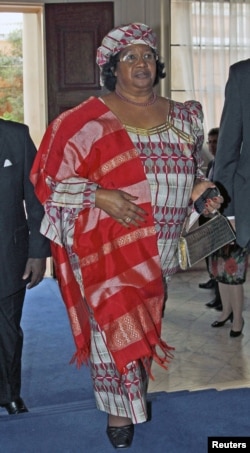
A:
(120, 268)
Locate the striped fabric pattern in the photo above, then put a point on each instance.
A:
(117, 271)
(171, 157)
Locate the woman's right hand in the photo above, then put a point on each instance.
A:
(120, 206)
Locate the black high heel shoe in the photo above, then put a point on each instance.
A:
(237, 333)
(121, 436)
(221, 323)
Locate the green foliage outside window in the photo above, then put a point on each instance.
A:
(11, 77)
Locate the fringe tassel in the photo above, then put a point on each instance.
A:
(81, 357)
(162, 361)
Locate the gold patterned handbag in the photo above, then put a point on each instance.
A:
(197, 244)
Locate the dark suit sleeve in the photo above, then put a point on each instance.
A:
(230, 138)
(210, 163)
(39, 246)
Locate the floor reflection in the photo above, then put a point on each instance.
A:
(204, 357)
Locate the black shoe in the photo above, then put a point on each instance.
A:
(121, 436)
(208, 285)
(15, 407)
(221, 323)
(214, 303)
(234, 333)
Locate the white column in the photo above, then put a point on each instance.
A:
(165, 41)
(33, 75)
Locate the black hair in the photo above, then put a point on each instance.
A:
(109, 68)
(214, 131)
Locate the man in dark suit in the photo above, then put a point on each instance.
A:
(232, 167)
(232, 172)
(23, 252)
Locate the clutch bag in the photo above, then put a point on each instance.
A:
(197, 244)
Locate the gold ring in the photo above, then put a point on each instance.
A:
(128, 220)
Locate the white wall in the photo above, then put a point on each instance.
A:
(148, 11)
(33, 2)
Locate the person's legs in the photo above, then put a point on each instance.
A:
(236, 296)
(216, 302)
(224, 291)
(226, 313)
(210, 284)
(232, 297)
(230, 265)
(11, 343)
(121, 396)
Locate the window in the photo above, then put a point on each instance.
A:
(11, 67)
(206, 38)
(22, 72)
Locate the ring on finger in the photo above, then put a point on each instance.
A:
(127, 219)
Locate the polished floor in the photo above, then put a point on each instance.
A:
(204, 357)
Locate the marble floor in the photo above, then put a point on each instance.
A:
(204, 357)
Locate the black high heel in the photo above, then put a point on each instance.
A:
(121, 436)
(236, 333)
(221, 323)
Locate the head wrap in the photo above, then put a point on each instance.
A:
(121, 37)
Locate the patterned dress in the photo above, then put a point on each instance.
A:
(171, 156)
(171, 159)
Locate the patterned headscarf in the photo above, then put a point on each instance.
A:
(121, 37)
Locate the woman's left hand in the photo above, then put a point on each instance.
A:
(212, 204)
